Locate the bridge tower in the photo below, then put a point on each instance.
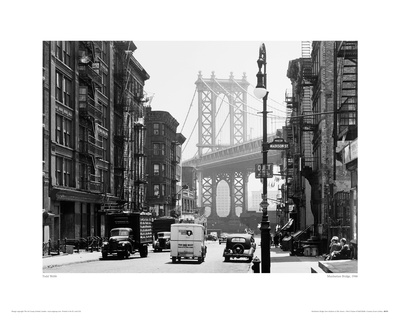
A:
(237, 177)
(208, 91)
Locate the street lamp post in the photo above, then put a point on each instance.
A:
(261, 92)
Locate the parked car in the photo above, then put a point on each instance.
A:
(163, 241)
(239, 245)
(211, 237)
(222, 238)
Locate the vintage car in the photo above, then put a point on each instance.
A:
(211, 237)
(121, 242)
(222, 238)
(239, 245)
(163, 241)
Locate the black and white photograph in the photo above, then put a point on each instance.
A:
(199, 164)
(244, 177)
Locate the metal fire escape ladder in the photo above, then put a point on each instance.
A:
(347, 91)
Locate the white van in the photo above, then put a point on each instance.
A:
(187, 241)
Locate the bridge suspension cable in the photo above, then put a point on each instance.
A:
(190, 107)
(187, 141)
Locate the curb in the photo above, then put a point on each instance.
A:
(61, 263)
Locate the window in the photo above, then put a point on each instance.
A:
(63, 52)
(162, 132)
(63, 131)
(102, 142)
(156, 190)
(63, 171)
(163, 187)
(67, 92)
(163, 170)
(67, 172)
(158, 149)
(67, 53)
(156, 128)
(59, 169)
(59, 89)
(59, 137)
(67, 132)
(156, 169)
(63, 89)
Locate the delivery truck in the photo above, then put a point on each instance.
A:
(129, 232)
(188, 242)
(162, 232)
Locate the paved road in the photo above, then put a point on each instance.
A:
(160, 262)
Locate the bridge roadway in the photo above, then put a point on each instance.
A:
(246, 154)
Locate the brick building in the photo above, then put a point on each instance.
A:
(322, 122)
(163, 162)
(83, 102)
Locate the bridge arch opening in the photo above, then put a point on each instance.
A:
(254, 190)
(223, 204)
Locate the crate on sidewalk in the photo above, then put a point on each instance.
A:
(69, 249)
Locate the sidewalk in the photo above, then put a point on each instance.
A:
(65, 258)
(283, 262)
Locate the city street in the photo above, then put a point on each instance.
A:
(160, 262)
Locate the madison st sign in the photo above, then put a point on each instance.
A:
(278, 144)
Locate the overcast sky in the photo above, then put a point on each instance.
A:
(173, 67)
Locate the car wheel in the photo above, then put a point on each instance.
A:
(226, 259)
(200, 260)
(127, 253)
(120, 255)
(238, 249)
(104, 255)
(173, 259)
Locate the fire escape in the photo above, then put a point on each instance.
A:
(129, 133)
(300, 128)
(345, 128)
(90, 116)
(346, 77)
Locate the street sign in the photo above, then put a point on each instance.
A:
(278, 144)
(264, 170)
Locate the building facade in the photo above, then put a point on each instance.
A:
(322, 123)
(163, 162)
(81, 154)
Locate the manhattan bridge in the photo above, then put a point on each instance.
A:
(229, 145)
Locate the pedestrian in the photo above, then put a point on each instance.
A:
(334, 246)
(271, 240)
(343, 253)
(276, 240)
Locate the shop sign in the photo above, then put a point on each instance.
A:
(264, 170)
